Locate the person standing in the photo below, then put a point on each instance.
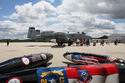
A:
(77, 42)
(102, 42)
(88, 42)
(70, 42)
(116, 42)
(81, 41)
(8, 42)
(94, 43)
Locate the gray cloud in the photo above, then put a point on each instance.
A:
(89, 16)
(12, 35)
(6, 29)
(114, 8)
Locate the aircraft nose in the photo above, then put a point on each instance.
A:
(68, 56)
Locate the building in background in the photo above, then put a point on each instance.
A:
(119, 37)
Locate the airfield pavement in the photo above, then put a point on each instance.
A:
(21, 49)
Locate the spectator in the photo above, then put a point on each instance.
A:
(8, 42)
(116, 42)
(77, 42)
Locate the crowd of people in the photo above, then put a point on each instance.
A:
(88, 42)
(79, 42)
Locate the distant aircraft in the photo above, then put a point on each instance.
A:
(60, 39)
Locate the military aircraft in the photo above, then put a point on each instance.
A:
(61, 39)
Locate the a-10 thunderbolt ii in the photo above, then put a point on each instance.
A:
(61, 39)
(33, 69)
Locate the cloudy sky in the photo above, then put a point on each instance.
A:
(94, 17)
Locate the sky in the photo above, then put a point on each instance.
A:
(94, 17)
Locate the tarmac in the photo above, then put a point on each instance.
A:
(24, 48)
